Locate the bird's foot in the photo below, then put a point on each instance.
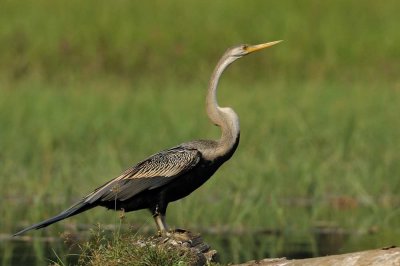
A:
(163, 233)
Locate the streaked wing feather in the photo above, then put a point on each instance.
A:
(154, 172)
(127, 188)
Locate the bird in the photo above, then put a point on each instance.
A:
(174, 173)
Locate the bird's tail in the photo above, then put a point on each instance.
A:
(73, 210)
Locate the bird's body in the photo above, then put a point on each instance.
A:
(192, 171)
(173, 173)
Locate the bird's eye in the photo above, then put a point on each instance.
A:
(244, 47)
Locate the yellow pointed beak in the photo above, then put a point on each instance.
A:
(253, 48)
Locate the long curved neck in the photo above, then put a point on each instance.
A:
(224, 117)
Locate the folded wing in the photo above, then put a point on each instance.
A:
(156, 171)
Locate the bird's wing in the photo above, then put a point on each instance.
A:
(156, 171)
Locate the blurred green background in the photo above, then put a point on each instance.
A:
(88, 88)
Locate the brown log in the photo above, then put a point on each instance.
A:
(382, 257)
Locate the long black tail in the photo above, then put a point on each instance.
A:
(73, 210)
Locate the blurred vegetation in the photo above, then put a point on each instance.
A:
(132, 40)
(88, 88)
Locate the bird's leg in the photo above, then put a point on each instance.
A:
(159, 218)
(161, 225)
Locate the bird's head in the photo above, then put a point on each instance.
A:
(245, 49)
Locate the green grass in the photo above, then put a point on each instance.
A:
(132, 250)
(87, 89)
